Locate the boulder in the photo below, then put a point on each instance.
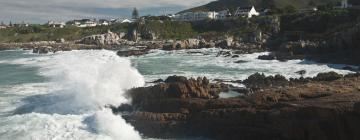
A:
(329, 76)
(43, 49)
(128, 53)
(108, 38)
(267, 57)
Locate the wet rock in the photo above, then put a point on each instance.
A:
(158, 81)
(240, 61)
(128, 53)
(43, 49)
(258, 80)
(224, 53)
(235, 56)
(321, 110)
(349, 68)
(267, 57)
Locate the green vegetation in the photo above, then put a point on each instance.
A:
(166, 29)
(44, 33)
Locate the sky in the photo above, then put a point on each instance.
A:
(41, 11)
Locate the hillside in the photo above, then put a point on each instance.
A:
(233, 4)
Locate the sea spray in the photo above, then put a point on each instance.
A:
(82, 83)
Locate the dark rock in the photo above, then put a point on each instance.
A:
(301, 72)
(158, 81)
(329, 76)
(128, 53)
(43, 49)
(224, 53)
(348, 68)
(267, 57)
(241, 61)
(317, 110)
(235, 56)
(258, 80)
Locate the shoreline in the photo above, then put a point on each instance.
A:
(181, 107)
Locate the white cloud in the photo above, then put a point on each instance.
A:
(43, 10)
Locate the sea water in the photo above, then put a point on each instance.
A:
(62, 96)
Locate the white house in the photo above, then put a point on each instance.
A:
(221, 15)
(246, 12)
(195, 16)
(345, 4)
(3, 26)
(55, 24)
(126, 21)
(104, 22)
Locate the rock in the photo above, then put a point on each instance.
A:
(240, 61)
(311, 111)
(258, 80)
(267, 57)
(349, 68)
(235, 56)
(43, 49)
(301, 72)
(61, 40)
(182, 44)
(108, 38)
(158, 81)
(128, 53)
(224, 53)
(329, 76)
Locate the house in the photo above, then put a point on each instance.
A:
(3, 26)
(246, 12)
(126, 21)
(221, 15)
(54, 24)
(195, 16)
(20, 25)
(345, 4)
(84, 23)
(104, 22)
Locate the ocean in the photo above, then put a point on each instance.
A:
(62, 96)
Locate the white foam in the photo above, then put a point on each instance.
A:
(81, 84)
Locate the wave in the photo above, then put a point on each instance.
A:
(81, 84)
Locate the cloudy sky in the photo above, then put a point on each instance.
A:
(39, 11)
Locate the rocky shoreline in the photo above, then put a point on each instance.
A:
(324, 107)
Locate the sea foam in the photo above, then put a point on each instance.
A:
(81, 84)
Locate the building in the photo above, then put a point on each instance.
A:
(3, 26)
(83, 23)
(345, 4)
(221, 15)
(104, 22)
(126, 21)
(195, 16)
(54, 24)
(246, 12)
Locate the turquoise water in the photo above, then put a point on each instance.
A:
(62, 96)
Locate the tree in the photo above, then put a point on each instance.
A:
(135, 14)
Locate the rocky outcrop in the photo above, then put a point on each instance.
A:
(127, 53)
(181, 44)
(108, 38)
(43, 49)
(181, 107)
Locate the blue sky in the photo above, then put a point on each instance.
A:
(40, 11)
